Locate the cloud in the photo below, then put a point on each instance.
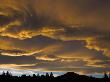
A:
(27, 46)
(57, 33)
(20, 60)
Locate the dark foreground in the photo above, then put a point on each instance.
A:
(68, 77)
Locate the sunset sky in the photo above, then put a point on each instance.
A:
(55, 35)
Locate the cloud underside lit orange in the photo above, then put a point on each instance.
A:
(55, 35)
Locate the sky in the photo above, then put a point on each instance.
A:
(55, 35)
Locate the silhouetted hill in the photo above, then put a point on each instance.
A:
(71, 76)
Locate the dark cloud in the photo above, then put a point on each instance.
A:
(56, 64)
(27, 45)
(18, 60)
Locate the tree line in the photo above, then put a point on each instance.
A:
(69, 76)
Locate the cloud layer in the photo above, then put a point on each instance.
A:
(55, 35)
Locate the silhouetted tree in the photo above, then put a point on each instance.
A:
(105, 75)
(8, 73)
(38, 75)
(51, 74)
(47, 75)
(3, 74)
(34, 75)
